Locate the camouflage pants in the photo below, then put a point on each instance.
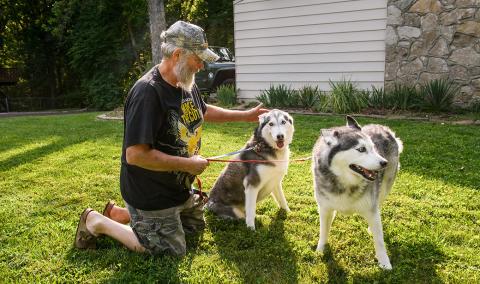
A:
(163, 231)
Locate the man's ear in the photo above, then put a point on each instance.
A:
(330, 136)
(176, 54)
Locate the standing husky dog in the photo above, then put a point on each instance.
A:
(354, 168)
(241, 185)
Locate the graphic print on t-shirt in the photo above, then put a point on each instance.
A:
(187, 130)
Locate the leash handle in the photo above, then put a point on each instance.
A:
(203, 196)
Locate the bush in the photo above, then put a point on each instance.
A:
(322, 103)
(403, 97)
(279, 96)
(345, 97)
(378, 99)
(308, 96)
(226, 95)
(438, 95)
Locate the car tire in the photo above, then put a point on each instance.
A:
(228, 82)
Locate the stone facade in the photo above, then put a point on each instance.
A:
(430, 39)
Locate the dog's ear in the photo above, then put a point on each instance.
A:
(330, 136)
(351, 122)
(289, 118)
(262, 117)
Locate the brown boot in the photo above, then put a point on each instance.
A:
(83, 238)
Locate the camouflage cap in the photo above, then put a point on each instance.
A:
(189, 36)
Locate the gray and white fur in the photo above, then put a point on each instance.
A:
(241, 186)
(354, 169)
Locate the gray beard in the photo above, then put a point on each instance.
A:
(185, 76)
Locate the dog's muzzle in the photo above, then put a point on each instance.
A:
(367, 174)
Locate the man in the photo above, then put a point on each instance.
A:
(163, 119)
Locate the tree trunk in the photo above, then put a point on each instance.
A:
(156, 13)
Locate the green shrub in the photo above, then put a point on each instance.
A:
(279, 96)
(345, 97)
(404, 97)
(308, 96)
(438, 95)
(322, 104)
(226, 95)
(475, 106)
(378, 99)
(264, 99)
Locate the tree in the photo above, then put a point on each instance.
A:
(156, 14)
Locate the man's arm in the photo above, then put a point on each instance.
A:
(142, 155)
(218, 114)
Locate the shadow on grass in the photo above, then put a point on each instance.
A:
(124, 266)
(263, 255)
(414, 262)
(336, 273)
(37, 153)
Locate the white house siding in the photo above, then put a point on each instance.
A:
(308, 42)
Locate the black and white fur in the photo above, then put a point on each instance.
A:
(241, 185)
(354, 169)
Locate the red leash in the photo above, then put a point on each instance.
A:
(204, 197)
(259, 161)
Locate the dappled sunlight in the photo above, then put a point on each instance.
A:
(25, 149)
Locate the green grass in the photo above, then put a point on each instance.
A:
(52, 167)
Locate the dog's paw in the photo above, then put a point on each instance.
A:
(385, 265)
(251, 226)
(320, 248)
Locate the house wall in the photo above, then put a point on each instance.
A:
(308, 42)
(430, 39)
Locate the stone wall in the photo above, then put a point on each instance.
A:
(429, 39)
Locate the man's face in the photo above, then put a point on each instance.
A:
(185, 69)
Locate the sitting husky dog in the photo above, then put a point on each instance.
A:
(241, 185)
(354, 169)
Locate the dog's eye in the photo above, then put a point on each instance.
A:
(362, 149)
(271, 124)
(283, 122)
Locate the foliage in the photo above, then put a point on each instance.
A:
(308, 96)
(404, 97)
(322, 104)
(53, 167)
(215, 17)
(93, 48)
(345, 97)
(226, 95)
(99, 51)
(27, 43)
(67, 47)
(279, 96)
(378, 98)
(438, 95)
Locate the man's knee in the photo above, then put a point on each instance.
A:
(177, 248)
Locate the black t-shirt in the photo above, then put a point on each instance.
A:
(170, 120)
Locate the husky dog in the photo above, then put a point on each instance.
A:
(354, 169)
(241, 185)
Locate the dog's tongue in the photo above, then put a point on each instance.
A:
(280, 144)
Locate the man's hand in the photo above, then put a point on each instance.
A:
(197, 165)
(253, 113)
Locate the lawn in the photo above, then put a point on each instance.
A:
(52, 167)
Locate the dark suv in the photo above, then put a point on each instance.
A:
(218, 73)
